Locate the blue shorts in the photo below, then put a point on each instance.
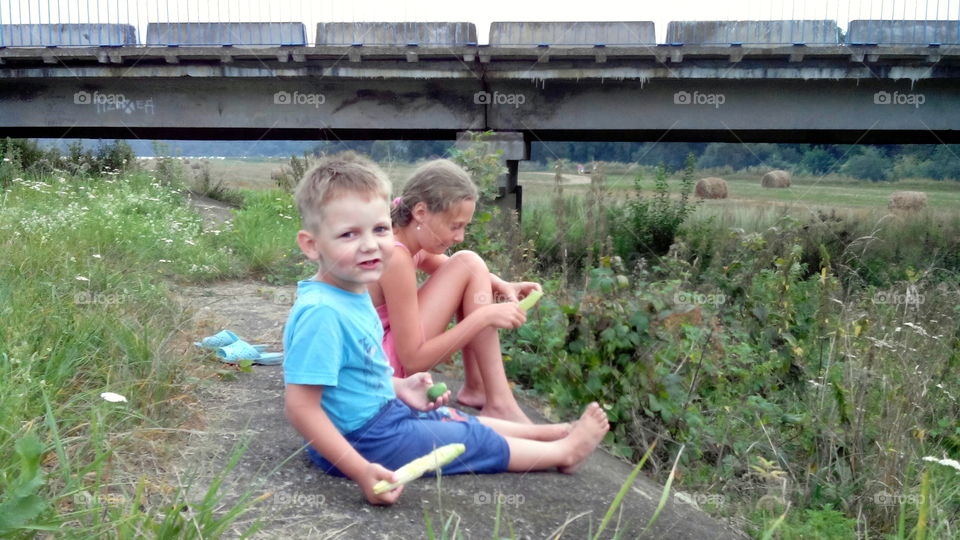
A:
(398, 434)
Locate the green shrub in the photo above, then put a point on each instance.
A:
(648, 226)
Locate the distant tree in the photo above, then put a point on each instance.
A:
(869, 164)
(817, 160)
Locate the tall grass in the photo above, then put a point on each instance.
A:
(86, 309)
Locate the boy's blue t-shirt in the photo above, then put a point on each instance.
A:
(333, 338)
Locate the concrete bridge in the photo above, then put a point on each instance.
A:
(547, 81)
(776, 81)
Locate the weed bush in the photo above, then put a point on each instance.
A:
(781, 380)
(648, 226)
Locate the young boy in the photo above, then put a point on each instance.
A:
(340, 394)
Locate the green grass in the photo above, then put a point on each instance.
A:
(86, 309)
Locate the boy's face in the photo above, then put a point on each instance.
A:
(353, 242)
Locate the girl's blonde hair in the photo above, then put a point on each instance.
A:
(334, 176)
(439, 184)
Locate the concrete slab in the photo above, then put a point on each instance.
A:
(422, 34)
(881, 32)
(577, 34)
(72, 35)
(211, 33)
(299, 501)
(753, 33)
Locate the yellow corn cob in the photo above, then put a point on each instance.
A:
(416, 468)
(531, 299)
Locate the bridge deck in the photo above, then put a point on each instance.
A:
(688, 61)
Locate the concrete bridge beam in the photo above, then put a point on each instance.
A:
(512, 148)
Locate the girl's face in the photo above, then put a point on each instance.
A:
(440, 230)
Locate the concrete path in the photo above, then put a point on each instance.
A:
(305, 503)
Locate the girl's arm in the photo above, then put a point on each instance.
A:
(308, 417)
(414, 351)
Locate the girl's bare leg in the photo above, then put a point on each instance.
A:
(462, 285)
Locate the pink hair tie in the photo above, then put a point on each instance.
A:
(397, 201)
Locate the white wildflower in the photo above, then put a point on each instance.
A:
(945, 462)
(97, 256)
(918, 328)
(113, 398)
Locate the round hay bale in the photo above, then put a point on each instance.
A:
(711, 188)
(776, 179)
(907, 200)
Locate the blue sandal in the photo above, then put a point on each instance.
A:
(222, 339)
(241, 350)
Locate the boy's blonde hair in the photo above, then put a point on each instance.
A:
(439, 184)
(334, 176)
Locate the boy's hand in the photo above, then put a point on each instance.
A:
(413, 392)
(373, 474)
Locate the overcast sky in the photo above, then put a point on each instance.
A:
(479, 12)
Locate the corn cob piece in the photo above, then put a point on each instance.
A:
(416, 468)
(531, 299)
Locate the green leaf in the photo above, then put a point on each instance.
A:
(16, 514)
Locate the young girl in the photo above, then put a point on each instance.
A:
(429, 217)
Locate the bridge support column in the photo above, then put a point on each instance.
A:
(514, 150)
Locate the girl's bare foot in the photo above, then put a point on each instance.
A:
(469, 398)
(587, 433)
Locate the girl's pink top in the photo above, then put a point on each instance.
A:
(389, 346)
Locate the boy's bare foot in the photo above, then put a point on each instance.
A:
(561, 430)
(587, 433)
(513, 414)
